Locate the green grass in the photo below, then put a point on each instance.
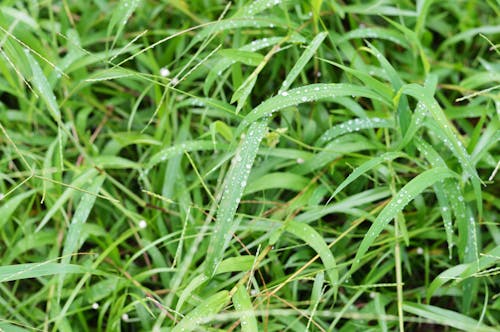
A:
(255, 166)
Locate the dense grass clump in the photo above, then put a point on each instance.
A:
(251, 165)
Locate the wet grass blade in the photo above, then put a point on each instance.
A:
(367, 166)
(451, 139)
(396, 205)
(36, 270)
(243, 305)
(305, 94)
(233, 188)
(303, 60)
(203, 312)
(313, 239)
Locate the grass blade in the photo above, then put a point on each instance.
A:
(313, 239)
(303, 60)
(353, 126)
(203, 312)
(36, 270)
(243, 306)
(446, 317)
(367, 166)
(234, 185)
(305, 94)
(451, 140)
(403, 197)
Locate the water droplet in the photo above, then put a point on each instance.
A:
(284, 93)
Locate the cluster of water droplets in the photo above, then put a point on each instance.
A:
(258, 6)
(353, 126)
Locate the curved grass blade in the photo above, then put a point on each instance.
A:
(203, 312)
(303, 60)
(376, 33)
(403, 197)
(233, 188)
(248, 58)
(452, 141)
(446, 317)
(304, 94)
(243, 306)
(354, 125)
(309, 235)
(365, 167)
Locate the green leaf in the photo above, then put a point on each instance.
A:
(402, 198)
(203, 312)
(305, 94)
(313, 239)
(244, 308)
(43, 88)
(179, 149)
(234, 185)
(365, 167)
(36, 270)
(353, 126)
(246, 57)
(303, 60)
(446, 317)
(277, 180)
(451, 140)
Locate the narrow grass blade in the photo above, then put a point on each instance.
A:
(446, 317)
(189, 289)
(224, 63)
(179, 149)
(77, 183)
(376, 33)
(403, 197)
(43, 88)
(10, 205)
(313, 239)
(234, 185)
(74, 236)
(305, 94)
(367, 166)
(243, 305)
(303, 60)
(353, 126)
(121, 14)
(246, 57)
(255, 7)
(277, 180)
(36, 270)
(451, 140)
(115, 162)
(203, 313)
(6, 326)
